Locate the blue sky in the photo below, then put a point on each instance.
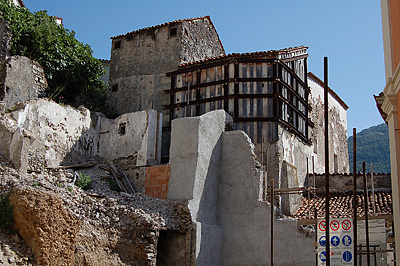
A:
(348, 32)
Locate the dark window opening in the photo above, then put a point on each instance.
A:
(117, 44)
(114, 88)
(172, 32)
(122, 129)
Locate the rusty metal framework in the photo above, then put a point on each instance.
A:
(257, 92)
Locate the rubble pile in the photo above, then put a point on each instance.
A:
(58, 223)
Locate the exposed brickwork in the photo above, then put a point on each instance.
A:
(156, 182)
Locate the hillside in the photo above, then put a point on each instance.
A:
(372, 146)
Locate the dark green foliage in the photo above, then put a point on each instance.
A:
(6, 215)
(372, 146)
(70, 68)
(84, 181)
(113, 184)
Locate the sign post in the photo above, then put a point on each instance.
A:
(341, 242)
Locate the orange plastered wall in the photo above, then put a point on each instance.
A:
(156, 182)
(395, 28)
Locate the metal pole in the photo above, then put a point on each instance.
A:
(326, 113)
(308, 187)
(366, 213)
(315, 211)
(272, 221)
(373, 189)
(355, 195)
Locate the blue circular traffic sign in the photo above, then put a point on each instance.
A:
(322, 256)
(346, 240)
(335, 241)
(322, 241)
(347, 256)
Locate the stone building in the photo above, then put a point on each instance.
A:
(181, 70)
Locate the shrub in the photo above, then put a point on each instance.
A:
(84, 181)
(113, 184)
(6, 215)
(69, 65)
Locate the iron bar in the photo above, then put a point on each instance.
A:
(373, 189)
(366, 214)
(308, 196)
(272, 221)
(355, 196)
(326, 113)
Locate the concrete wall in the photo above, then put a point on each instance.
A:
(217, 172)
(245, 219)
(195, 156)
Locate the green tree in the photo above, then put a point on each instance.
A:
(70, 68)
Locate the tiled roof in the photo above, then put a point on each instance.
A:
(244, 55)
(331, 92)
(164, 24)
(341, 205)
(104, 61)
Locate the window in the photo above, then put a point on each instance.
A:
(114, 87)
(172, 32)
(117, 44)
(122, 129)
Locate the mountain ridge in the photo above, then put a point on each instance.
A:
(372, 147)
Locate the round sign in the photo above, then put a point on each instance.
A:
(322, 256)
(346, 240)
(335, 241)
(322, 241)
(322, 226)
(334, 225)
(347, 256)
(346, 224)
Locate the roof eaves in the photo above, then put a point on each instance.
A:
(248, 54)
(331, 92)
(160, 25)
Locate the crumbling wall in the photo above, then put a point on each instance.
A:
(5, 44)
(195, 156)
(25, 80)
(199, 41)
(338, 150)
(245, 218)
(217, 172)
(43, 134)
(138, 69)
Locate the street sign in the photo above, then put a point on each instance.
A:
(322, 241)
(322, 226)
(341, 239)
(335, 225)
(346, 240)
(346, 225)
(335, 241)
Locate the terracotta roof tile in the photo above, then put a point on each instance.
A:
(341, 205)
(164, 24)
(243, 55)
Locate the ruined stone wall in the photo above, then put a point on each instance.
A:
(199, 41)
(25, 80)
(43, 134)
(338, 152)
(138, 69)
